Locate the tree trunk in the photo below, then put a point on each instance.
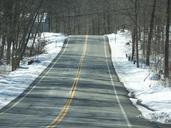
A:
(2, 47)
(133, 45)
(136, 33)
(166, 62)
(36, 33)
(150, 34)
(8, 54)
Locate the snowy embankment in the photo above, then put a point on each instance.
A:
(151, 97)
(14, 83)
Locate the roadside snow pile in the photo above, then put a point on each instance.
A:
(14, 83)
(52, 37)
(152, 97)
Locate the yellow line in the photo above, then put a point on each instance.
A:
(67, 104)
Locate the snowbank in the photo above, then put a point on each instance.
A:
(151, 97)
(14, 83)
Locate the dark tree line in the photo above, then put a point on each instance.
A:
(78, 17)
(148, 22)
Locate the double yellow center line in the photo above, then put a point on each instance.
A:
(67, 104)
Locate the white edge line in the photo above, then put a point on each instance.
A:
(115, 92)
(37, 82)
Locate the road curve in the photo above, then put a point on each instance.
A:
(79, 89)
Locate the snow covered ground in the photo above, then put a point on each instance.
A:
(144, 92)
(14, 83)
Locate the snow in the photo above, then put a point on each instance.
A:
(151, 97)
(14, 83)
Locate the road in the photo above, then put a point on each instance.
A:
(79, 89)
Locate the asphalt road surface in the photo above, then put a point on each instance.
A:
(79, 89)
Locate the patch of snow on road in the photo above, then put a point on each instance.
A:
(14, 83)
(143, 91)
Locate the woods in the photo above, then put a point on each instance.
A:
(150, 25)
(18, 19)
(148, 21)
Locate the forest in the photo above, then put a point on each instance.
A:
(148, 22)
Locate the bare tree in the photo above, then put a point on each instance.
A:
(166, 64)
(150, 34)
